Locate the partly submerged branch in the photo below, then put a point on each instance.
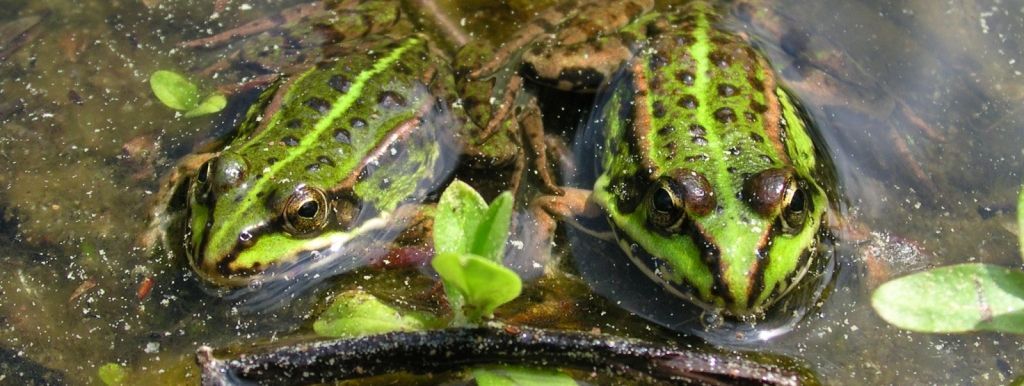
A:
(452, 349)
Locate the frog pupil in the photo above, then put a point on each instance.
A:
(663, 200)
(204, 172)
(308, 209)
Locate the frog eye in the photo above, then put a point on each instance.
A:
(666, 207)
(794, 214)
(674, 197)
(306, 212)
(202, 178)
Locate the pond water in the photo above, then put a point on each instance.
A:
(920, 113)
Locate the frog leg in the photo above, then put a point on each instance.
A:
(287, 16)
(546, 211)
(563, 27)
(519, 120)
(533, 129)
(542, 23)
(505, 106)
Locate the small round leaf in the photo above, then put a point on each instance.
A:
(174, 90)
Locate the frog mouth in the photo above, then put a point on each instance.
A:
(658, 271)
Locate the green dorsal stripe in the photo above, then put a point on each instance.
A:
(340, 105)
(701, 52)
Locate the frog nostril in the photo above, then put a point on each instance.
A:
(246, 238)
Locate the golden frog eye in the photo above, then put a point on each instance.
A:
(794, 214)
(674, 197)
(306, 212)
(666, 210)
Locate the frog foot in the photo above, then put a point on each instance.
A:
(884, 254)
(546, 211)
(165, 204)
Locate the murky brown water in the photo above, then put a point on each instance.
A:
(928, 141)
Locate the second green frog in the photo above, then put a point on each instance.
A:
(706, 173)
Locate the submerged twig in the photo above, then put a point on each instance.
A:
(436, 351)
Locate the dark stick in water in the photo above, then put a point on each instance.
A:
(436, 351)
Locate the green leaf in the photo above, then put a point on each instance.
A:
(958, 298)
(492, 232)
(521, 376)
(483, 283)
(174, 90)
(458, 215)
(210, 105)
(112, 374)
(357, 313)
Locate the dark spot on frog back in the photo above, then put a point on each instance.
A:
(720, 59)
(757, 84)
(726, 90)
(657, 61)
(697, 130)
(698, 158)
(319, 105)
(725, 115)
(390, 100)
(758, 107)
(357, 123)
(340, 83)
(658, 109)
(686, 77)
(666, 130)
(325, 160)
(688, 102)
(342, 136)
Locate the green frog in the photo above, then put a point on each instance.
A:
(330, 164)
(707, 173)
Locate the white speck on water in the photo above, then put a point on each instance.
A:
(983, 22)
(152, 348)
